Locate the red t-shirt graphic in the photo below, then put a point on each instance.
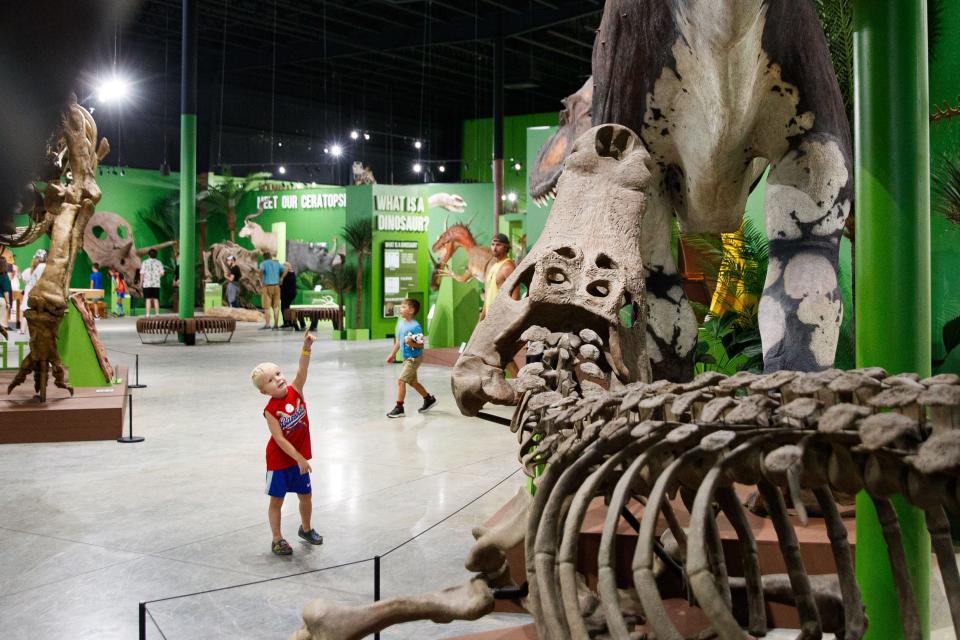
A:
(291, 412)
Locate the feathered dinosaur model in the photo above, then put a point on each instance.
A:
(61, 209)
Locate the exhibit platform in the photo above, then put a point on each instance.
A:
(92, 413)
(814, 549)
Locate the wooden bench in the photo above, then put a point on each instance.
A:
(169, 325)
(316, 314)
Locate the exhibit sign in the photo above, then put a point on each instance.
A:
(416, 224)
(305, 200)
(399, 273)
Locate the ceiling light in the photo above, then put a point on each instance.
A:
(512, 197)
(503, 196)
(282, 169)
(354, 134)
(442, 168)
(517, 166)
(114, 89)
(280, 144)
(366, 136)
(336, 150)
(417, 144)
(326, 150)
(417, 168)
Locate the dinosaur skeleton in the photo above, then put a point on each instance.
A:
(61, 210)
(782, 433)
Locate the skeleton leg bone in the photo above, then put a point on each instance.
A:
(326, 620)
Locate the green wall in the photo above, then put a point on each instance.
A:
(478, 151)
(944, 67)
(125, 195)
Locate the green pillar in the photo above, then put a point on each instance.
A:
(892, 207)
(188, 160)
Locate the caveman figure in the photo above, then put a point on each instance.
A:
(719, 91)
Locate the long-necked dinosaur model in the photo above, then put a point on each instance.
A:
(61, 210)
(718, 92)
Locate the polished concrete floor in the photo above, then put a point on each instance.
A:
(88, 530)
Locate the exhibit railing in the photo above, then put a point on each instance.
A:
(144, 612)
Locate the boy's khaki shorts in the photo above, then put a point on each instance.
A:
(409, 372)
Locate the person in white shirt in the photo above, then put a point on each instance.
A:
(151, 270)
(37, 266)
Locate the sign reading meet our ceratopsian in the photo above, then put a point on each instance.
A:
(306, 200)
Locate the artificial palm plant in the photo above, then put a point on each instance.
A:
(359, 237)
(342, 279)
(223, 198)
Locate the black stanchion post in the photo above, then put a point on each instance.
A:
(130, 437)
(136, 366)
(143, 621)
(376, 586)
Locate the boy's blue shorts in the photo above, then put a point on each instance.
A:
(289, 480)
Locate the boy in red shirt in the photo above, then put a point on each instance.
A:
(289, 447)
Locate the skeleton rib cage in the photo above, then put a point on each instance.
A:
(781, 433)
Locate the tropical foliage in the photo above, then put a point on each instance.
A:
(342, 279)
(359, 237)
(836, 18)
(731, 342)
(222, 198)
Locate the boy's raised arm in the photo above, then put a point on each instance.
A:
(301, 377)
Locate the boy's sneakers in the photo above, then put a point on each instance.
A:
(428, 403)
(396, 412)
(310, 536)
(281, 547)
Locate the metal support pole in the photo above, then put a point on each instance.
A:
(376, 586)
(892, 169)
(497, 133)
(136, 366)
(188, 159)
(143, 621)
(130, 437)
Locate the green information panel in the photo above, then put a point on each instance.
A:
(399, 273)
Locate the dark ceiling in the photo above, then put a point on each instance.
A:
(302, 74)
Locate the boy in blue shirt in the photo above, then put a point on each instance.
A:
(409, 340)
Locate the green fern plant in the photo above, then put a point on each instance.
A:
(946, 189)
(836, 18)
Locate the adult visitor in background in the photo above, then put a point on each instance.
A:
(498, 270)
(151, 271)
(37, 265)
(16, 295)
(270, 274)
(6, 294)
(288, 293)
(233, 282)
(96, 282)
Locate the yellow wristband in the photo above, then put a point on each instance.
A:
(304, 352)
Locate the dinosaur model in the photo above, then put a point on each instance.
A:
(108, 240)
(61, 210)
(262, 241)
(585, 435)
(456, 237)
(718, 92)
(362, 174)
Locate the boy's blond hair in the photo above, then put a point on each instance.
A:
(263, 372)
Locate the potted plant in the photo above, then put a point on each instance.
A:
(359, 237)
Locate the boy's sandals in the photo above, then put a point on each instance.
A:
(310, 536)
(281, 548)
